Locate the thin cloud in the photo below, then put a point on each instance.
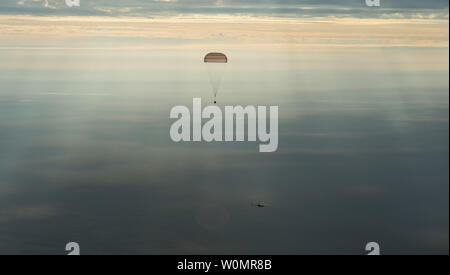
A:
(29, 212)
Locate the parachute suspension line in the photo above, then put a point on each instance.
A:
(216, 65)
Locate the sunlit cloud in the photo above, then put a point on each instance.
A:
(225, 30)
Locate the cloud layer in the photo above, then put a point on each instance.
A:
(283, 8)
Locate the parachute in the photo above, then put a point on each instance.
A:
(216, 63)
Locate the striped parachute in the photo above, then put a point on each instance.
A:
(216, 63)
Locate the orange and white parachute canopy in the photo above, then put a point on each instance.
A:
(215, 58)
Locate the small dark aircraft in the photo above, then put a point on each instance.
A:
(260, 204)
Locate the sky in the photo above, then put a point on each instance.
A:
(243, 24)
(281, 8)
(85, 97)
